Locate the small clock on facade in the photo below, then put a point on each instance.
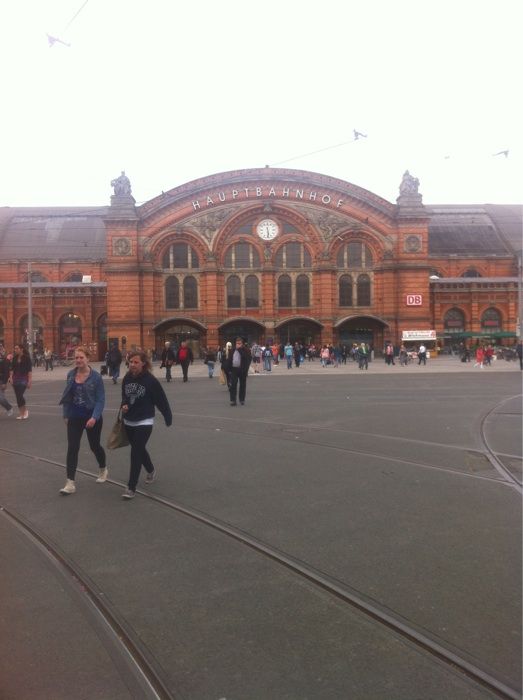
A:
(267, 229)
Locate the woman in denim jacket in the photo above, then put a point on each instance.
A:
(83, 402)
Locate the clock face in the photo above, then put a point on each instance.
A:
(267, 229)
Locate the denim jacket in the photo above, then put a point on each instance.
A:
(94, 389)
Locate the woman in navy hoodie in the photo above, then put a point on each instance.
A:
(141, 392)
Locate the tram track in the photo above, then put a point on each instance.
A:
(442, 650)
(288, 430)
(491, 455)
(129, 657)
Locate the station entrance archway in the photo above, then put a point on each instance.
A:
(363, 329)
(250, 331)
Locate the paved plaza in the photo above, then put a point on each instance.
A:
(280, 540)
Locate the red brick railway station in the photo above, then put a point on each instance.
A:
(269, 254)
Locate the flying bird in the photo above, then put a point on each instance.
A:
(358, 134)
(55, 40)
(501, 153)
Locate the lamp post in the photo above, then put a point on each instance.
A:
(29, 312)
(519, 327)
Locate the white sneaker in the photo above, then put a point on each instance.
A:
(10, 412)
(102, 475)
(128, 494)
(68, 488)
(150, 477)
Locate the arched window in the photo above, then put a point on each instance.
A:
(74, 277)
(471, 272)
(293, 255)
(454, 321)
(345, 290)
(252, 297)
(491, 320)
(180, 255)
(363, 290)
(36, 276)
(302, 291)
(354, 255)
(242, 255)
(233, 292)
(172, 293)
(284, 291)
(190, 293)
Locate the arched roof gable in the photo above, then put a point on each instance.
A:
(264, 185)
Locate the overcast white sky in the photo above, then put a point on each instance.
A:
(171, 91)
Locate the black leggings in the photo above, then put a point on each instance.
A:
(75, 429)
(138, 436)
(19, 390)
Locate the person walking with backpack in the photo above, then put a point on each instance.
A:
(114, 360)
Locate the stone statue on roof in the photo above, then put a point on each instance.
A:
(121, 185)
(409, 184)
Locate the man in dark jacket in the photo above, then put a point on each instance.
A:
(238, 364)
(114, 360)
(184, 357)
(5, 366)
(168, 359)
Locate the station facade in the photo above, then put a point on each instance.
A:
(272, 255)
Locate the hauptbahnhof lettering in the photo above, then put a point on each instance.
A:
(268, 254)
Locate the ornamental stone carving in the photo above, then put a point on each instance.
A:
(412, 244)
(121, 246)
(207, 225)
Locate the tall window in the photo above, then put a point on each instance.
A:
(284, 291)
(302, 291)
(345, 290)
(180, 255)
(293, 255)
(172, 293)
(454, 321)
(252, 297)
(190, 293)
(354, 255)
(242, 255)
(233, 292)
(363, 290)
(491, 320)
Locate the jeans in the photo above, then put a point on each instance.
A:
(289, 361)
(267, 364)
(138, 436)
(115, 372)
(75, 429)
(3, 401)
(210, 368)
(168, 373)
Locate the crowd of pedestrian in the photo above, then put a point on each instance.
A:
(83, 398)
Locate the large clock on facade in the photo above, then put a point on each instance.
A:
(267, 229)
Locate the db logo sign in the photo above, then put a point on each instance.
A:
(414, 300)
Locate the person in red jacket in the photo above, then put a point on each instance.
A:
(184, 357)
